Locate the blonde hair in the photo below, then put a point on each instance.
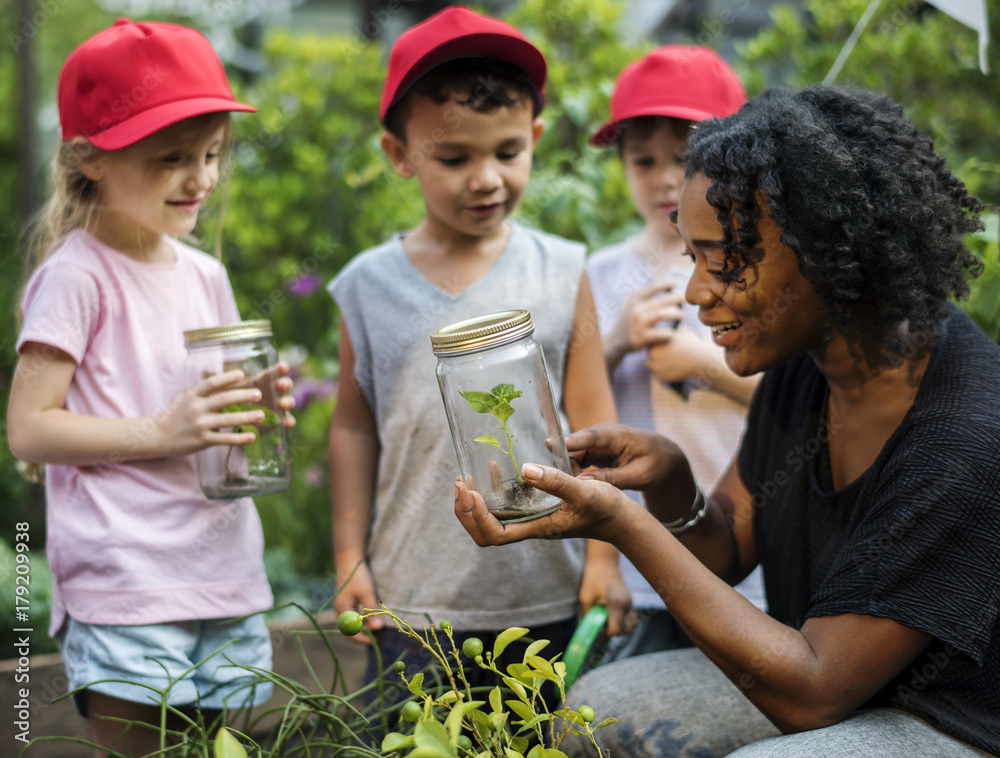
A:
(74, 204)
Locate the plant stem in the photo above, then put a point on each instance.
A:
(510, 452)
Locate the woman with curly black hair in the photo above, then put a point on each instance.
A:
(827, 240)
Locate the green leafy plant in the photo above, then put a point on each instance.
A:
(497, 403)
(513, 721)
(433, 713)
(270, 419)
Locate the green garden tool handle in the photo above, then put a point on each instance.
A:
(582, 642)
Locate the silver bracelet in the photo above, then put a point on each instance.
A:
(681, 525)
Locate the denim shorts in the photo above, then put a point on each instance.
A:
(137, 663)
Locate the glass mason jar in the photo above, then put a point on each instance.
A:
(264, 465)
(500, 409)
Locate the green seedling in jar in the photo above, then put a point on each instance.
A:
(270, 419)
(497, 403)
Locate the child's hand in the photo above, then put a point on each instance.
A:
(682, 356)
(647, 316)
(193, 421)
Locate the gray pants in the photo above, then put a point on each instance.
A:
(677, 704)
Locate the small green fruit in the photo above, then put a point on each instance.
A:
(411, 711)
(399, 667)
(350, 623)
(586, 713)
(445, 626)
(472, 647)
(464, 743)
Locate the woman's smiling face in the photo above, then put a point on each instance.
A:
(767, 317)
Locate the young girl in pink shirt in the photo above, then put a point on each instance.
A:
(145, 568)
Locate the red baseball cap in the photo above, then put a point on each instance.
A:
(133, 79)
(682, 81)
(457, 32)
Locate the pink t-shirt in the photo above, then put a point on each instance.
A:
(137, 542)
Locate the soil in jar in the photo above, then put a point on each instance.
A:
(515, 499)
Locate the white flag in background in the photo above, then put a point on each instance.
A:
(972, 13)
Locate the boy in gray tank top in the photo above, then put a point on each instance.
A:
(460, 110)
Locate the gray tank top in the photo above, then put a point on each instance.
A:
(421, 557)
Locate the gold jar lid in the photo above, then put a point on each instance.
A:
(244, 330)
(482, 332)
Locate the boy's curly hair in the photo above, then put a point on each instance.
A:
(871, 211)
(481, 84)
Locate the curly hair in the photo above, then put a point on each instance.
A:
(481, 84)
(874, 216)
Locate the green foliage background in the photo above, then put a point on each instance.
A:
(310, 187)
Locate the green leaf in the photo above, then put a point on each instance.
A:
(432, 736)
(540, 664)
(571, 716)
(428, 751)
(526, 712)
(480, 402)
(454, 721)
(227, 746)
(396, 741)
(542, 752)
(542, 675)
(506, 637)
(503, 391)
(495, 702)
(517, 688)
(534, 647)
(481, 722)
(415, 685)
(489, 439)
(516, 749)
(503, 411)
(606, 722)
(498, 719)
(517, 669)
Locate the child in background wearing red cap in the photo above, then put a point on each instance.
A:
(460, 109)
(145, 569)
(666, 373)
